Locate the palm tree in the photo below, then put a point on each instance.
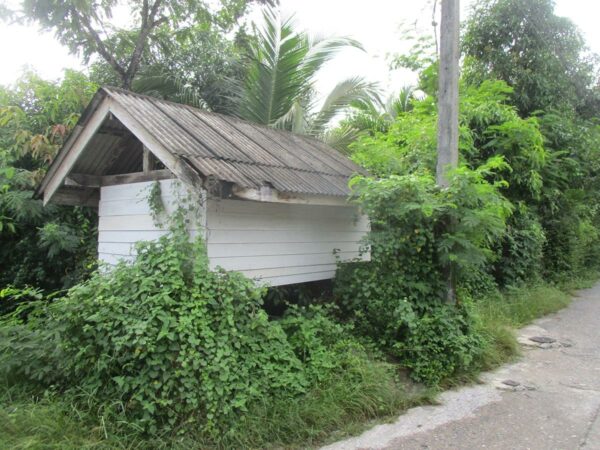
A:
(279, 88)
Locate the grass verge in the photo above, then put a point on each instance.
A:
(342, 406)
(501, 313)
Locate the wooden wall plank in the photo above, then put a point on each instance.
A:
(258, 236)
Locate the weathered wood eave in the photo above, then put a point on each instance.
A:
(89, 110)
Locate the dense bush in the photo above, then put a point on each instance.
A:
(520, 250)
(514, 211)
(397, 297)
(166, 338)
(167, 345)
(51, 247)
(442, 342)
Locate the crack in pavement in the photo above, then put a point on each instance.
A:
(589, 428)
(579, 387)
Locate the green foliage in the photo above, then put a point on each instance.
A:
(321, 344)
(11, 297)
(85, 27)
(169, 339)
(541, 55)
(345, 404)
(397, 298)
(441, 343)
(51, 247)
(279, 85)
(507, 165)
(164, 346)
(521, 249)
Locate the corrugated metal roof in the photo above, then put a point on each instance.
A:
(240, 152)
(216, 146)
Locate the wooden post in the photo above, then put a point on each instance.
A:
(147, 161)
(447, 145)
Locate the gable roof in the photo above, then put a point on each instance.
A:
(213, 145)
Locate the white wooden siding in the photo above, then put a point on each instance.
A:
(124, 217)
(282, 243)
(275, 243)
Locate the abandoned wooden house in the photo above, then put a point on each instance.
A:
(275, 203)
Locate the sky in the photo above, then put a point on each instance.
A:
(380, 25)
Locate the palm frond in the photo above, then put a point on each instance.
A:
(294, 120)
(341, 137)
(400, 103)
(281, 70)
(343, 95)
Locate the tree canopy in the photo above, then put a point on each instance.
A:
(48, 247)
(86, 28)
(541, 55)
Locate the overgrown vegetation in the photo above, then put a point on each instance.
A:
(47, 247)
(162, 352)
(163, 345)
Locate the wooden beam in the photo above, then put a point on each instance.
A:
(76, 149)
(77, 197)
(268, 194)
(136, 177)
(83, 180)
(175, 163)
(96, 181)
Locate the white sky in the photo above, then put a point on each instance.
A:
(375, 23)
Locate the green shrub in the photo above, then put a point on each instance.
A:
(166, 338)
(317, 341)
(441, 343)
(395, 297)
(163, 345)
(11, 297)
(521, 248)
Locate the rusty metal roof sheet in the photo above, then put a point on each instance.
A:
(240, 152)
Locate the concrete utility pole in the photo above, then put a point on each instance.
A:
(447, 144)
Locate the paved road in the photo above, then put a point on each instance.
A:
(555, 406)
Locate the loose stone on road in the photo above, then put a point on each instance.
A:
(549, 400)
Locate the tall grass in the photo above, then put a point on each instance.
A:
(500, 313)
(341, 406)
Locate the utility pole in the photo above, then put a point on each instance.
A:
(447, 142)
(447, 133)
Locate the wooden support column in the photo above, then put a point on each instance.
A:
(147, 161)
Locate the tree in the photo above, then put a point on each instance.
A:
(194, 66)
(85, 26)
(47, 247)
(279, 87)
(377, 115)
(541, 55)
